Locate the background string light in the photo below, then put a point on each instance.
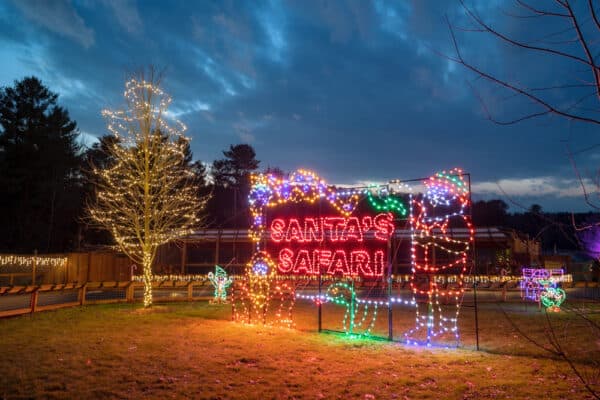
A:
(28, 261)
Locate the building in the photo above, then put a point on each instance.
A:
(496, 250)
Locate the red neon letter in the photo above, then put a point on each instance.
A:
(384, 226)
(294, 232)
(367, 223)
(352, 230)
(313, 230)
(359, 261)
(379, 262)
(285, 260)
(338, 263)
(302, 263)
(334, 224)
(277, 227)
(321, 260)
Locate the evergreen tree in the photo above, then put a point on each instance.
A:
(231, 176)
(39, 170)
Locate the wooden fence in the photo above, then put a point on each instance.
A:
(20, 300)
(98, 267)
(79, 268)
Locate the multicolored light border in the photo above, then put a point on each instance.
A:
(429, 230)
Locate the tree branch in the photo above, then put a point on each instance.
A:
(549, 108)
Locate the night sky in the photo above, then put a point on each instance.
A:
(356, 91)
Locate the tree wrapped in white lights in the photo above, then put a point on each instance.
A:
(147, 195)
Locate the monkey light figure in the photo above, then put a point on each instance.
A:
(441, 236)
(221, 282)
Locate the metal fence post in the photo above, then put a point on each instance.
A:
(476, 314)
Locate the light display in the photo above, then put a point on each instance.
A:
(28, 261)
(221, 282)
(340, 245)
(385, 202)
(541, 285)
(359, 316)
(432, 217)
(147, 195)
(343, 293)
(255, 294)
(353, 245)
(552, 296)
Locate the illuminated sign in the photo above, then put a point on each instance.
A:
(348, 246)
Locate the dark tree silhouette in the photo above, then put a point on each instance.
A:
(490, 213)
(275, 171)
(39, 170)
(231, 176)
(234, 170)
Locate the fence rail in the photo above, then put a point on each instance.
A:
(17, 300)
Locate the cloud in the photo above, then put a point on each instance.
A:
(58, 16)
(87, 139)
(353, 90)
(35, 59)
(535, 187)
(182, 108)
(127, 14)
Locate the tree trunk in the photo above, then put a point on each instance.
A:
(147, 280)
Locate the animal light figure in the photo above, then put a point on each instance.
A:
(551, 296)
(260, 292)
(221, 282)
(358, 319)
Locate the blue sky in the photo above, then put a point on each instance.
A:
(355, 90)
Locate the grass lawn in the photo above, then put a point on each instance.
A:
(192, 350)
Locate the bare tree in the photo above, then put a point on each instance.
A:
(567, 35)
(565, 43)
(147, 195)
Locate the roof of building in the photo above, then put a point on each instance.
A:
(487, 234)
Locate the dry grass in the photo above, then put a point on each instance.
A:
(192, 350)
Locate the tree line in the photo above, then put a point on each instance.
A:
(555, 230)
(46, 179)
